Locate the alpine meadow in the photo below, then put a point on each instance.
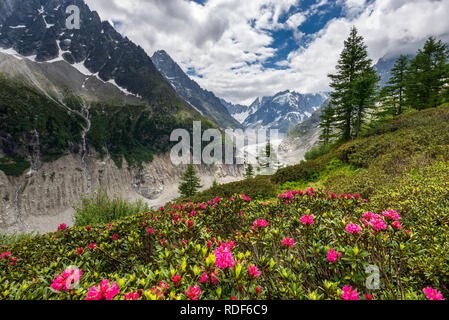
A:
(222, 150)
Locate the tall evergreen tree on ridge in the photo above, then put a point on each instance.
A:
(327, 120)
(428, 75)
(190, 182)
(393, 94)
(354, 86)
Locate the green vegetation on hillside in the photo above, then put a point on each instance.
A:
(131, 132)
(24, 109)
(99, 208)
(357, 106)
(259, 187)
(406, 143)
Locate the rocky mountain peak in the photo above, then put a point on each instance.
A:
(37, 29)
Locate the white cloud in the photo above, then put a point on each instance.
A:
(226, 41)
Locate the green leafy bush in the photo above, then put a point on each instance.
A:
(260, 187)
(100, 208)
(302, 245)
(14, 166)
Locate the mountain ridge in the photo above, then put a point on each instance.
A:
(203, 100)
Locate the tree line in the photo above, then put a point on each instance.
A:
(357, 101)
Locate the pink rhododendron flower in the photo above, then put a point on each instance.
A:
(307, 219)
(92, 246)
(391, 214)
(332, 255)
(164, 286)
(193, 293)
(150, 231)
(5, 255)
(288, 242)
(397, 225)
(132, 296)
(433, 294)
(349, 294)
(209, 278)
(378, 222)
(80, 251)
(353, 228)
(260, 223)
(176, 279)
(253, 271)
(62, 226)
(66, 279)
(105, 291)
(223, 256)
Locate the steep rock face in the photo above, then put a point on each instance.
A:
(37, 29)
(41, 200)
(283, 111)
(204, 101)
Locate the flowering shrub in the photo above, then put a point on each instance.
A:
(302, 245)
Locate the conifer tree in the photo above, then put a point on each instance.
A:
(249, 174)
(190, 182)
(392, 96)
(427, 76)
(365, 88)
(353, 86)
(326, 125)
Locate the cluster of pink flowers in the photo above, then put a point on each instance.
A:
(391, 214)
(288, 242)
(176, 279)
(212, 277)
(307, 219)
(105, 291)
(5, 255)
(245, 198)
(377, 222)
(223, 255)
(132, 296)
(193, 293)
(253, 271)
(288, 195)
(66, 279)
(333, 255)
(349, 294)
(62, 226)
(260, 223)
(353, 228)
(397, 225)
(433, 294)
(160, 290)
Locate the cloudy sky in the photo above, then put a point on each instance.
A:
(243, 49)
